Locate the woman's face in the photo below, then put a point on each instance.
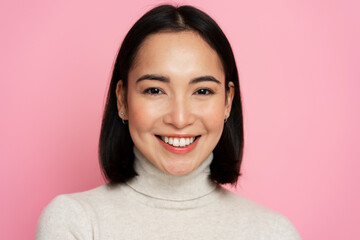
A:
(176, 102)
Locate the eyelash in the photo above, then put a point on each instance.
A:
(206, 90)
(153, 91)
(158, 91)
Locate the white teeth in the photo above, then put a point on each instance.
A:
(178, 142)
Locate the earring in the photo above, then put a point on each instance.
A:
(122, 118)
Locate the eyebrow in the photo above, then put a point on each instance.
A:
(205, 79)
(153, 77)
(167, 80)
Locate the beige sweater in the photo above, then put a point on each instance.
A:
(156, 205)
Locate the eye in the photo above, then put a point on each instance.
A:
(204, 91)
(153, 91)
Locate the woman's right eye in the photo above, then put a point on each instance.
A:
(153, 91)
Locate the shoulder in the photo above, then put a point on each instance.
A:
(258, 219)
(69, 216)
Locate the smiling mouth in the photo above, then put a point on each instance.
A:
(178, 141)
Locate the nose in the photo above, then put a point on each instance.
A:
(180, 113)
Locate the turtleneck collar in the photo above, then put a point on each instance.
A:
(154, 183)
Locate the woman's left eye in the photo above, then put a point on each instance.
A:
(204, 91)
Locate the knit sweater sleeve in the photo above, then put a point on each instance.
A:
(64, 218)
(285, 230)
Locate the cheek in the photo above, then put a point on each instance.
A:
(142, 114)
(213, 114)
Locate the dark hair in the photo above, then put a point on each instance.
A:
(116, 146)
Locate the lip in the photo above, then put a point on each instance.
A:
(180, 150)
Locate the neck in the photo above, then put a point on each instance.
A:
(154, 183)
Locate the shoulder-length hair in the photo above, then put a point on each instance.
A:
(116, 146)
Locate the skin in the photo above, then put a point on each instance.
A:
(172, 90)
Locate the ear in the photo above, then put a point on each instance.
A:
(229, 98)
(121, 100)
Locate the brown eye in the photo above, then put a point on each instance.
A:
(153, 91)
(204, 91)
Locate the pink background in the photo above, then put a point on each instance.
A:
(300, 79)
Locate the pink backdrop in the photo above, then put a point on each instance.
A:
(300, 80)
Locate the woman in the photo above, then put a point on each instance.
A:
(172, 132)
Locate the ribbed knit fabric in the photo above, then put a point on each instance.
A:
(157, 205)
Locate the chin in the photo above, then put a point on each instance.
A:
(179, 170)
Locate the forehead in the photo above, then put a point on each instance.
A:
(185, 51)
